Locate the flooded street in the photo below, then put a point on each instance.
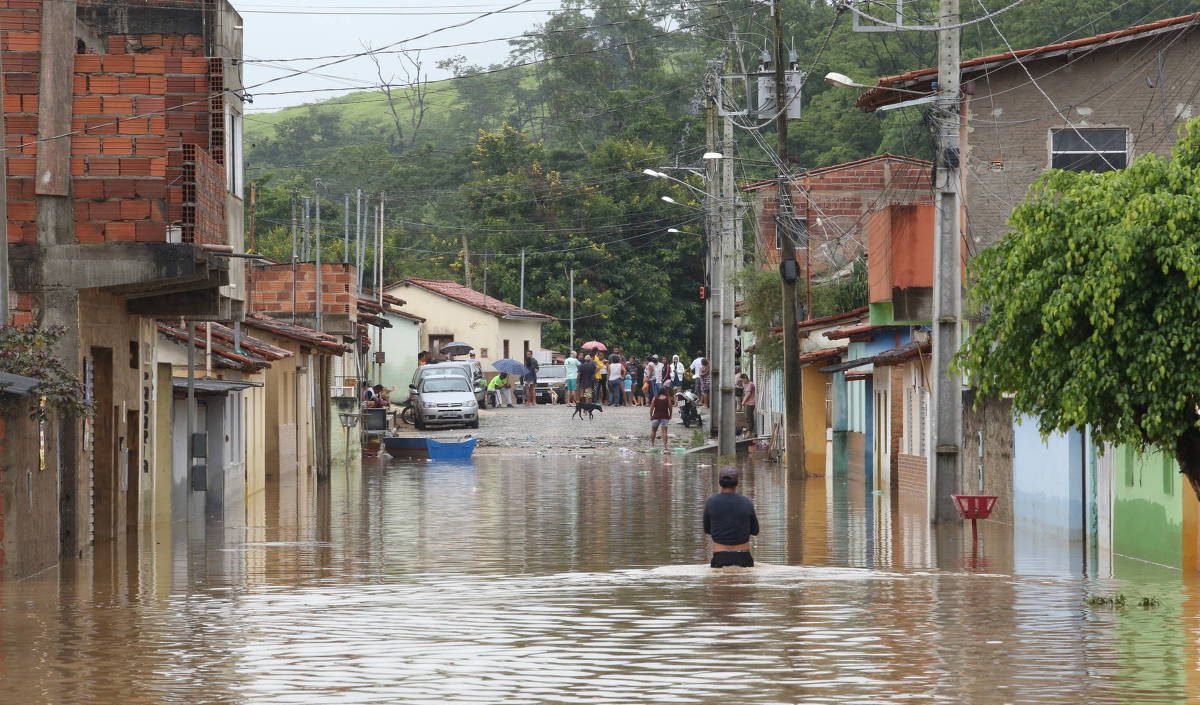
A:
(561, 580)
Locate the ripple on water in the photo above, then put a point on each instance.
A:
(548, 581)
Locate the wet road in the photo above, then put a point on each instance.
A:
(567, 580)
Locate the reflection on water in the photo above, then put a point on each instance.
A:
(581, 580)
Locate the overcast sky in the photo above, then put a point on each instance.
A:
(282, 31)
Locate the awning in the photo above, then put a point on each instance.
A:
(848, 364)
(214, 386)
(17, 385)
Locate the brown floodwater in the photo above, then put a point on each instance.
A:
(582, 580)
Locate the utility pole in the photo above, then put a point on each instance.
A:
(712, 247)
(466, 260)
(379, 284)
(295, 254)
(793, 393)
(571, 296)
(358, 237)
(947, 284)
(522, 304)
(253, 206)
(727, 440)
(346, 227)
(317, 241)
(305, 230)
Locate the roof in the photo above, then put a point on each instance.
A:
(223, 354)
(821, 355)
(854, 333)
(468, 296)
(902, 354)
(880, 95)
(831, 319)
(259, 347)
(821, 170)
(17, 385)
(213, 386)
(848, 364)
(302, 334)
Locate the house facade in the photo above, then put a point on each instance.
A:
(1089, 104)
(453, 312)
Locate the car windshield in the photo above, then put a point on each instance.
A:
(552, 372)
(445, 384)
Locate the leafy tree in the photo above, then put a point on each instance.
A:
(1090, 305)
(28, 350)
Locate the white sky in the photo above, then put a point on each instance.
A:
(279, 29)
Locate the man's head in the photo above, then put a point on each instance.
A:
(728, 479)
(503, 375)
(378, 388)
(745, 377)
(528, 354)
(423, 355)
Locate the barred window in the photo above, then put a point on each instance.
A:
(1089, 148)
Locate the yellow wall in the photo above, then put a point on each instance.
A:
(815, 423)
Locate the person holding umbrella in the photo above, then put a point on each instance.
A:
(529, 379)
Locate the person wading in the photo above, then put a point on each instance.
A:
(730, 520)
(661, 408)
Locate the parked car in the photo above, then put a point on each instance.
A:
(466, 370)
(445, 400)
(551, 384)
(473, 368)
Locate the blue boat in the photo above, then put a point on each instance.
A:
(451, 450)
(408, 448)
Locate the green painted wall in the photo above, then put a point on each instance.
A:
(1147, 511)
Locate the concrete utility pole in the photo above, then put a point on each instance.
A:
(571, 296)
(295, 254)
(253, 230)
(346, 228)
(727, 440)
(947, 284)
(522, 304)
(317, 241)
(712, 247)
(793, 392)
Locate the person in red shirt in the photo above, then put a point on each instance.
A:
(661, 409)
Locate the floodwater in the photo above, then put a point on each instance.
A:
(568, 580)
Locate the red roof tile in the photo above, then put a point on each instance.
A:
(822, 355)
(855, 333)
(224, 355)
(904, 353)
(291, 331)
(470, 297)
(880, 95)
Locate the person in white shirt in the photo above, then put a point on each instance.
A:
(675, 372)
(696, 365)
(616, 381)
(571, 364)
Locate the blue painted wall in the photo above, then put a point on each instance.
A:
(1047, 477)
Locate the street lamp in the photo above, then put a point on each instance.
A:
(712, 155)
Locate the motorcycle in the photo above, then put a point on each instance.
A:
(689, 410)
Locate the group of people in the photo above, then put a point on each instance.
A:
(616, 380)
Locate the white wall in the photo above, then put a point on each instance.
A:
(401, 343)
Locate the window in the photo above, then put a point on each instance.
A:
(1089, 148)
(233, 151)
(798, 229)
(506, 348)
(437, 342)
(483, 353)
(526, 346)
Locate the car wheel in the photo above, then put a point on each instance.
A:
(473, 424)
(418, 423)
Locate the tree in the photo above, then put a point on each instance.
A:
(27, 350)
(1089, 305)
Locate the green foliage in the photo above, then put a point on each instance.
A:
(763, 314)
(28, 350)
(843, 293)
(1090, 303)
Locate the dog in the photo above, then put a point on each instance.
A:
(586, 407)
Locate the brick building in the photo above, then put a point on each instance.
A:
(831, 204)
(123, 182)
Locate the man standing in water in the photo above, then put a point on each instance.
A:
(730, 520)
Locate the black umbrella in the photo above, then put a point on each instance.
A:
(456, 348)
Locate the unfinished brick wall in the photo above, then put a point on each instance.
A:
(837, 203)
(271, 289)
(137, 110)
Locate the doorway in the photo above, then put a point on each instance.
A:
(133, 473)
(105, 485)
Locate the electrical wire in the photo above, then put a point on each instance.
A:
(851, 5)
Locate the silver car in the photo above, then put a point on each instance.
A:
(471, 369)
(445, 400)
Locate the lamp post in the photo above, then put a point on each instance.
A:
(349, 420)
